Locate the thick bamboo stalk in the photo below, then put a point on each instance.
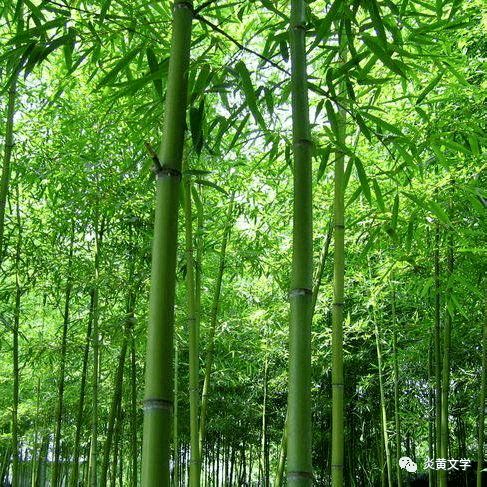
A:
(299, 461)
(55, 479)
(279, 476)
(195, 461)
(158, 396)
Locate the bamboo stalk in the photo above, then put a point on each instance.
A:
(337, 378)
(213, 321)
(445, 386)
(93, 479)
(481, 424)
(79, 418)
(62, 369)
(195, 460)
(15, 353)
(437, 347)
(299, 461)
(397, 418)
(158, 396)
(7, 157)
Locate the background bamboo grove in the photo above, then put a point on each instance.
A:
(316, 309)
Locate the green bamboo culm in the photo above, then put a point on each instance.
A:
(175, 427)
(195, 461)
(299, 464)
(95, 339)
(62, 369)
(483, 387)
(16, 480)
(213, 320)
(73, 482)
(279, 475)
(7, 156)
(9, 134)
(397, 419)
(437, 350)
(337, 380)
(158, 394)
(445, 386)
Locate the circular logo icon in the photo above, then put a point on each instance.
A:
(408, 464)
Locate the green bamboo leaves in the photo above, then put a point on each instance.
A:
(249, 92)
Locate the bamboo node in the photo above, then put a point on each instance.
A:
(154, 403)
(300, 291)
(168, 172)
(299, 475)
(185, 5)
(303, 143)
(299, 26)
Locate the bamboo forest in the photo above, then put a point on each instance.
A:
(243, 243)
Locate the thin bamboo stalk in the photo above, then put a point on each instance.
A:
(337, 375)
(62, 369)
(195, 461)
(213, 321)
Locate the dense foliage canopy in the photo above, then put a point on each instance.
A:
(395, 92)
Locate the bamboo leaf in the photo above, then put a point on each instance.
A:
(429, 87)
(203, 182)
(324, 24)
(364, 182)
(249, 93)
(378, 195)
(154, 68)
(119, 66)
(430, 206)
(196, 125)
(376, 18)
(325, 156)
(384, 54)
(395, 212)
(332, 118)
